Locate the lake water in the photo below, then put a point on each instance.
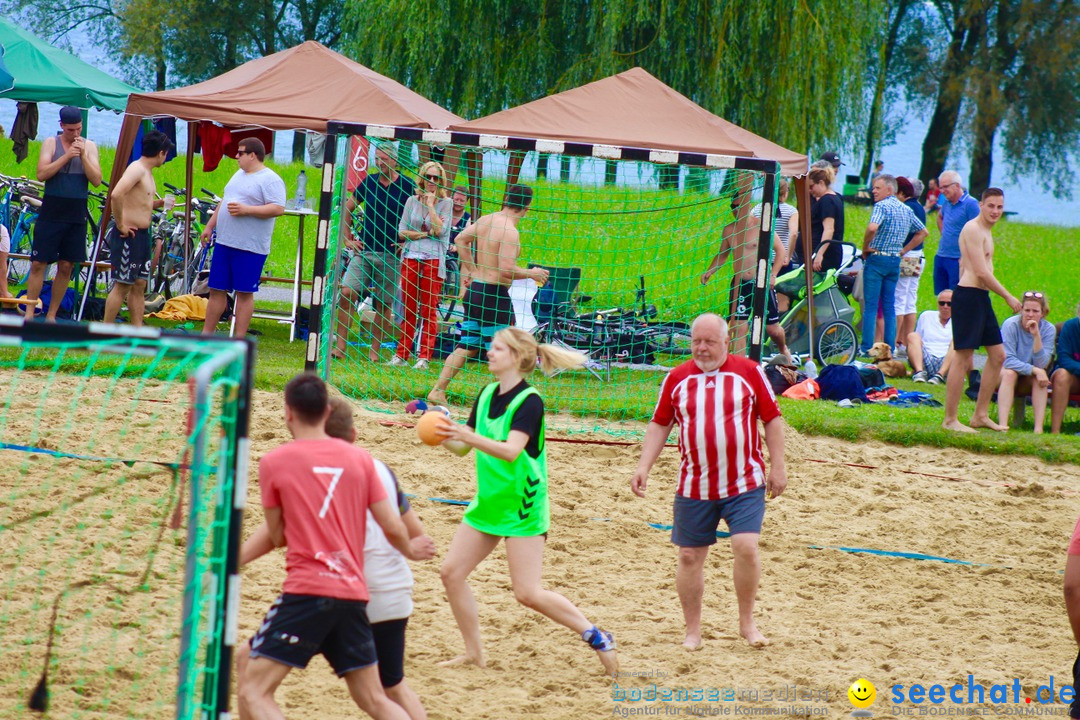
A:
(901, 158)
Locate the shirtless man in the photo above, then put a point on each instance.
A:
(68, 165)
(129, 240)
(973, 322)
(487, 301)
(740, 239)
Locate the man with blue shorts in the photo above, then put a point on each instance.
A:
(253, 197)
(957, 210)
(717, 399)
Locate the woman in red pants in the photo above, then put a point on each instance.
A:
(425, 228)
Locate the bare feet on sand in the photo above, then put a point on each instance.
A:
(611, 663)
(464, 660)
(437, 397)
(692, 643)
(986, 422)
(957, 426)
(754, 638)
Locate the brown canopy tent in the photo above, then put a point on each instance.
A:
(635, 109)
(295, 89)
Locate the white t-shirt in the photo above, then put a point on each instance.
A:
(5, 240)
(386, 572)
(262, 187)
(936, 338)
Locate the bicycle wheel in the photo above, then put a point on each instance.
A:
(19, 268)
(836, 343)
(670, 338)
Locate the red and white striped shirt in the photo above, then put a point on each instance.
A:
(717, 413)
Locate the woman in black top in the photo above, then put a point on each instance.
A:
(826, 220)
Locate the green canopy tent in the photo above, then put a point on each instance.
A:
(43, 73)
(6, 81)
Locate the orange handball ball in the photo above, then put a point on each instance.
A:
(426, 427)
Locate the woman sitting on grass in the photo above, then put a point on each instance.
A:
(507, 429)
(1029, 342)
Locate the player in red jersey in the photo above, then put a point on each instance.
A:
(717, 399)
(316, 491)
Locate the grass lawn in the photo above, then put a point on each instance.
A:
(617, 234)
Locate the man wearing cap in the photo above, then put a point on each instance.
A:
(957, 210)
(68, 165)
(891, 222)
(833, 158)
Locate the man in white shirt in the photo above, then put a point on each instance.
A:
(930, 346)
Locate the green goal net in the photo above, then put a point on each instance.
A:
(635, 245)
(119, 520)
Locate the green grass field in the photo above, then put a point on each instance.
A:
(615, 235)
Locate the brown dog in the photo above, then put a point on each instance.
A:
(883, 359)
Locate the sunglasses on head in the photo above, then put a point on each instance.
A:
(1032, 294)
(944, 303)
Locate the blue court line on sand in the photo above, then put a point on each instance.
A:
(867, 551)
(73, 456)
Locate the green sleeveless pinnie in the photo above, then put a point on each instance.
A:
(511, 498)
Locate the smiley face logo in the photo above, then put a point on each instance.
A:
(862, 693)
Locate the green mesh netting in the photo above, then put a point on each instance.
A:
(626, 244)
(116, 487)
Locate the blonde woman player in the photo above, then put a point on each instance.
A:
(506, 428)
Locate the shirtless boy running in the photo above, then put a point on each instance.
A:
(129, 240)
(487, 301)
(974, 324)
(740, 239)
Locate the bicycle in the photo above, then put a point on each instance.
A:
(178, 260)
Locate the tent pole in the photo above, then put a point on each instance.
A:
(189, 175)
(802, 191)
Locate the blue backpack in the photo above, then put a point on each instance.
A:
(841, 382)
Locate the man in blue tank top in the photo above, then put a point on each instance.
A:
(68, 165)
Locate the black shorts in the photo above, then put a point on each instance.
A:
(489, 306)
(389, 639)
(742, 298)
(55, 241)
(130, 256)
(299, 627)
(974, 324)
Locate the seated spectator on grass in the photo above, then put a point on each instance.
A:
(930, 345)
(1029, 341)
(1066, 378)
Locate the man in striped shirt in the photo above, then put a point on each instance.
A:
(717, 399)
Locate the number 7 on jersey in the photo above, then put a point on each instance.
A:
(336, 473)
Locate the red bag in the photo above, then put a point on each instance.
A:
(806, 390)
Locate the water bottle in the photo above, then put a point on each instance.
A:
(300, 202)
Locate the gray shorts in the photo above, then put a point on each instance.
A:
(696, 520)
(377, 273)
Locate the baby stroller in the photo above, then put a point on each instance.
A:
(835, 342)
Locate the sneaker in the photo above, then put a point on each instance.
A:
(599, 640)
(421, 364)
(919, 376)
(936, 379)
(396, 362)
(901, 353)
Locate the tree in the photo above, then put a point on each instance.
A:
(897, 11)
(1026, 79)
(787, 70)
(965, 24)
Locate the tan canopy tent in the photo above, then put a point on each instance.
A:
(633, 109)
(295, 89)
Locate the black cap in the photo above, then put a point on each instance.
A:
(69, 115)
(832, 158)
